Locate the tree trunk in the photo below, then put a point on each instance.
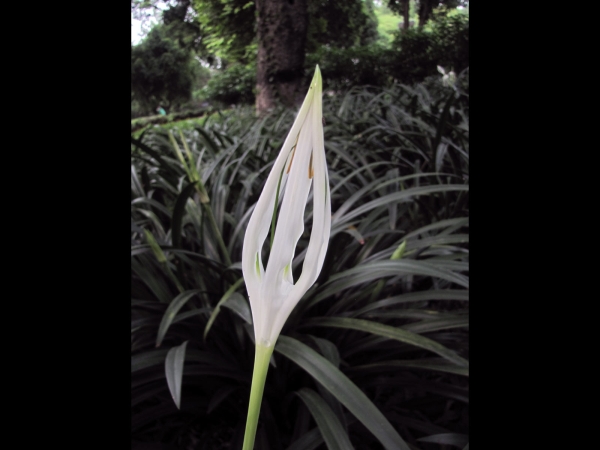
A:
(405, 10)
(281, 32)
(425, 8)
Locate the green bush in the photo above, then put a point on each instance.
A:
(417, 53)
(450, 35)
(235, 84)
(162, 73)
(413, 56)
(354, 66)
(396, 330)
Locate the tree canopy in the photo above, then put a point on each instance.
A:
(424, 7)
(229, 26)
(269, 40)
(161, 71)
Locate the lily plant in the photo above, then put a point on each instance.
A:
(272, 290)
(448, 78)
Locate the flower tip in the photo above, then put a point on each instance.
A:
(316, 81)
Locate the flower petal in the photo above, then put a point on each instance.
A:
(271, 290)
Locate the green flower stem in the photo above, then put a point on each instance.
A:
(194, 177)
(259, 376)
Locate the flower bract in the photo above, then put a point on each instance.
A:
(300, 165)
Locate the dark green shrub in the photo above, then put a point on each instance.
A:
(235, 84)
(417, 53)
(414, 56)
(355, 66)
(162, 73)
(398, 161)
(451, 41)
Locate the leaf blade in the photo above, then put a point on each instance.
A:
(331, 429)
(343, 389)
(172, 310)
(390, 332)
(174, 371)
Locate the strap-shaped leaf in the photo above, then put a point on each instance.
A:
(171, 312)
(151, 358)
(308, 441)
(219, 396)
(433, 294)
(453, 439)
(372, 271)
(333, 432)
(178, 212)
(239, 305)
(217, 309)
(343, 389)
(329, 350)
(406, 195)
(390, 332)
(425, 364)
(444, 323)
(174, 371)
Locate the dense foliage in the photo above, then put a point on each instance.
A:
(413, 56)
(417, 53)
(388, 317)
(229, 28)
(235, 84)
(425, 8)
(341, 24)
(342, 38)
(161, 72)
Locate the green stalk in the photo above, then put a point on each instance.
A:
(261, 366)
(194, 177)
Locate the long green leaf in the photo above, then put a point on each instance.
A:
(147, 359)
(343, 389)
(444, 323)
(174, 371)
(154, 154)
(406, 195)
(217, 309)
(433, 294)
(368, 272)
(333, 432)
(390, 332)
(309, 441)
(178, 212)
(172, 311)
(156, 357)
(424, 364)
(239, 305)
(453, 439)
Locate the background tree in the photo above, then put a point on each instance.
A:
(161, 72)
(405, 11)
(424, 8)
(228, 27)
(277, 35)
(184, 41)
(281, 30)
(341, 24)
(260, 46)
(181, 24)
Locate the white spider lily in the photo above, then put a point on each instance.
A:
(272, 291)
(448, 79)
